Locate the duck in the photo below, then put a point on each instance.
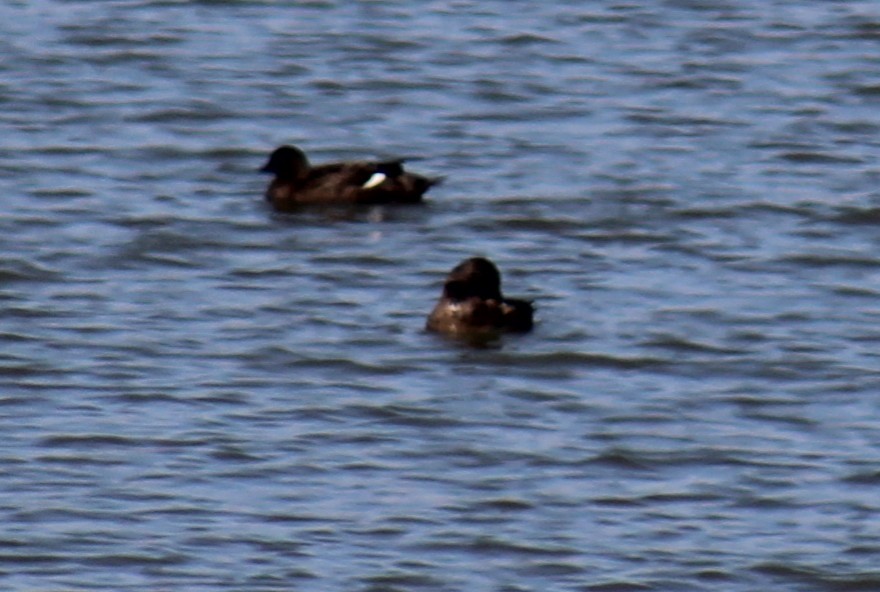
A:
(298, 183)
(472, 306)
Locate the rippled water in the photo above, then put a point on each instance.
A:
(199, 394)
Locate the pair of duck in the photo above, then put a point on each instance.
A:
(471, 304)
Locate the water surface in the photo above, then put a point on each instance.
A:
(200, 394)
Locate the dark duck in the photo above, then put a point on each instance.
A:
(472, 305)
(297, 183)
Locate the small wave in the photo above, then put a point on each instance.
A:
(816, 157)
(868, 91)
(89, 441)
(581, 359)
(858, 216)
(681, 344)
(817, 578)
(20, 270)
(620, 586)
(29, 557)
(489, 545)
(523, 39)
(195, 113)
(831, 260)
(140, 560)
(400, 579)
(406, 415)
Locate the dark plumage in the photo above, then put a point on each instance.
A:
(472, 305)
(360, 182)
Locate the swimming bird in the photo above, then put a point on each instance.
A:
(472, 305)
(297, 183)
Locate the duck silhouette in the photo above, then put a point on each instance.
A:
(297, 183)
(472, 304)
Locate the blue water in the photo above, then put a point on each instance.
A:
(200, 394)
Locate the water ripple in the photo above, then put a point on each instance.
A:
(201, 394)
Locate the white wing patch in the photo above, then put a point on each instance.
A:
(375, 180)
